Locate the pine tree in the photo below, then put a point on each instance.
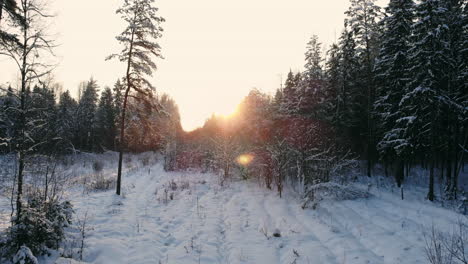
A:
(349, 97)
(392, 76)
(86, 115)
(422, 106)
(139, 41)
(453, 130)
(313, 57)
(66, 120)
(364, 16)
(105, 118)
(333, 79)
(42, 109)
(291, 94)
(9, 103)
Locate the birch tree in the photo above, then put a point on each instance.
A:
(140, 47)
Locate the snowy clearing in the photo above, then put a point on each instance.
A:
(175, 217)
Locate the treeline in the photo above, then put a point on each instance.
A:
(392, 90)
(59, 123)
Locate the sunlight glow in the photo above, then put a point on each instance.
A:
(245, 159)
(228, 115)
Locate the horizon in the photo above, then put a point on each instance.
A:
(208, 67)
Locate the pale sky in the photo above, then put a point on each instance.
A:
(215, 50)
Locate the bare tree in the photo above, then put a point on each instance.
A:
(34, 44)
(139, 41)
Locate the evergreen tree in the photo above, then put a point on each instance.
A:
(393, 76)
(8, 119)
(139, 40)
(454, 106)
(423, 105)
(43, 112)
(66, 120)
(349, 98)
(333, 79)
(106, 117)
(364, 16)
(86, 115)
(313, 57)
(291, 94)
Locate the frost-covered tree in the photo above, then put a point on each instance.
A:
(9, 102)
(29, 56)
(349, 97)
(363, 17)
(290, 94)
(313, 57)
(43, 115)
(393, 76)
(422, 107)
(139, 39)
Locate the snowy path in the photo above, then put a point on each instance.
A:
(205, 223)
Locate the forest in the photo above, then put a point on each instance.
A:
(387, 102)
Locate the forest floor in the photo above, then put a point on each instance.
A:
(176, 217)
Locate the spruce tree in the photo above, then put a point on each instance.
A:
(393, 76)
(86, 114)
(364, 16)
(66, 120)
(105, 118)
(423, 105)
(349, 97)
(313, 57)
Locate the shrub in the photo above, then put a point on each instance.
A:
(145, 160)
(24, 256)
(332, 191)
(39, 227)
(100, 183)
(98, 166)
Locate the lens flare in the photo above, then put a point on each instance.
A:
(245, 159)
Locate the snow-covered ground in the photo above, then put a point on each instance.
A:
(177, 217)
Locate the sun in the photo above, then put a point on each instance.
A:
(245, 159)
(227, 114)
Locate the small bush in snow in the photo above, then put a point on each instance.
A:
(40, 227)
(101, 183)
(98, 166)
(145, 160)
(24, 256)
(332, 191)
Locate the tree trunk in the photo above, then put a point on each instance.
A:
(122, 141)
(400, 171)
(430, 194)
(22, 122)
(122, 123)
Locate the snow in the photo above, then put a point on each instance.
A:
(186, 217)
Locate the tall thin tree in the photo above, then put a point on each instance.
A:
(139, 39)
(34, 45)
